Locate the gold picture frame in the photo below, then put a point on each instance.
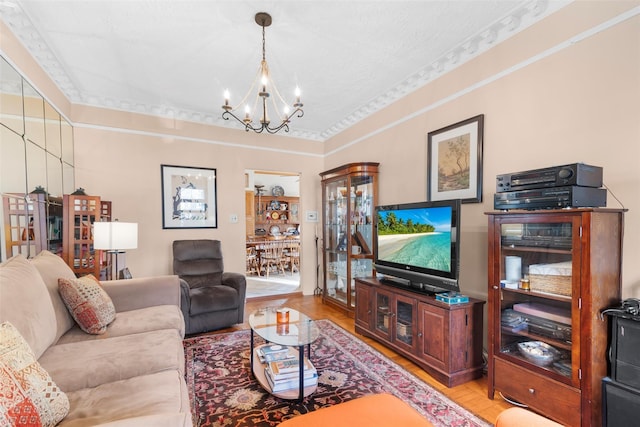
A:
(454, 161)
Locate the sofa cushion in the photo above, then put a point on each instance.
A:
(26, 304)
(159, 399)
(101, 361)
(213, 298)
(51, 268)
(88, 303)
(134, 322)
(28, 395)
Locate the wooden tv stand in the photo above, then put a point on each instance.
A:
(445, 340)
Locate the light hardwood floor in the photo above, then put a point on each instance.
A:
(471, 395)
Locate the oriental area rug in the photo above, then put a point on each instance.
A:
(223, 392)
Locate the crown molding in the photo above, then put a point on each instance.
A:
(519, 19)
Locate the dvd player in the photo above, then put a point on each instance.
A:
(556, 176)
(552, 198)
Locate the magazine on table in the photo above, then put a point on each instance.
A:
(269, 353)
(279, 367)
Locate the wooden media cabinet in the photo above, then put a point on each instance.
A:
(445, 340)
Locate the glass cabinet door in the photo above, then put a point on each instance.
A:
(404, 320)
(361, 227)
(539, 295)
(349, 198)
(382, 313)
(336, 239)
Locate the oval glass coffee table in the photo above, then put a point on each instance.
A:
(299, 331)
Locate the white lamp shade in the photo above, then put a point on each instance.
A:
(115, 236)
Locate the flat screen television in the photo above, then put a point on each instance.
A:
(417, 245)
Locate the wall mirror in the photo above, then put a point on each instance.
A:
(11, 108)
(37, 166)
(33, 115)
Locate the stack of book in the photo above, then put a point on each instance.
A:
(282, 368)
(270, 352)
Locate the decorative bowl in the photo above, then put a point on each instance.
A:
(274, 230)
(538, 352)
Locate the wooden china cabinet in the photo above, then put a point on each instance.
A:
(277, 214)
(33, 223)
(79, 214)
(349, 197)
(547, 340)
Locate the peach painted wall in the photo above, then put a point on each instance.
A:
(546, 100)
(125, 168)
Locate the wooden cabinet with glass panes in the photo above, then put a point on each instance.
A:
(106, 272)
(79, 214)
(33, 223)
(349, 197)
(443, 339)
(551, 273)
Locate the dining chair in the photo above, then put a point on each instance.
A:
(272, 256)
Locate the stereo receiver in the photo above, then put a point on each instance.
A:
(552, 198)
(556, 176)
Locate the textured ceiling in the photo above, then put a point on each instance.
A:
(176, 58)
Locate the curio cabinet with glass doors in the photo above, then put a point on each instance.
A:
(550, 274)
(349, 197)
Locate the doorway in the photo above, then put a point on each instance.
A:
(273, 243)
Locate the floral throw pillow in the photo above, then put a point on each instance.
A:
(88, 303)
(28, 395)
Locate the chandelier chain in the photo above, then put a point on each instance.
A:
(264, 56)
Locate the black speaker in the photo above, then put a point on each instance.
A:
(620, 404)
(624, 352)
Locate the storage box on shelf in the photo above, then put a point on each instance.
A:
(553, 278)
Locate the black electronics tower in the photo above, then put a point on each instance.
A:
(621, 392)
(620, 404)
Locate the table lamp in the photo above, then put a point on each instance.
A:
(114, 237)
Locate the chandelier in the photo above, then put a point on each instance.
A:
(265, 84)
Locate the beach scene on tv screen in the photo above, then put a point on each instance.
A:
(417, 237)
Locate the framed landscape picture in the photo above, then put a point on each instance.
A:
(454, 161)
(189, 197)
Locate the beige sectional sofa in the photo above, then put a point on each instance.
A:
(132, 375)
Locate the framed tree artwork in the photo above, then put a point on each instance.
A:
(454, 161)
(189, 197)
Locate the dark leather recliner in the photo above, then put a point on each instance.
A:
(210, 297)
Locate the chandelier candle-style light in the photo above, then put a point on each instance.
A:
(266, 84)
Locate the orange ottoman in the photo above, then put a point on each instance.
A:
(368, 411)
(519, 417)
